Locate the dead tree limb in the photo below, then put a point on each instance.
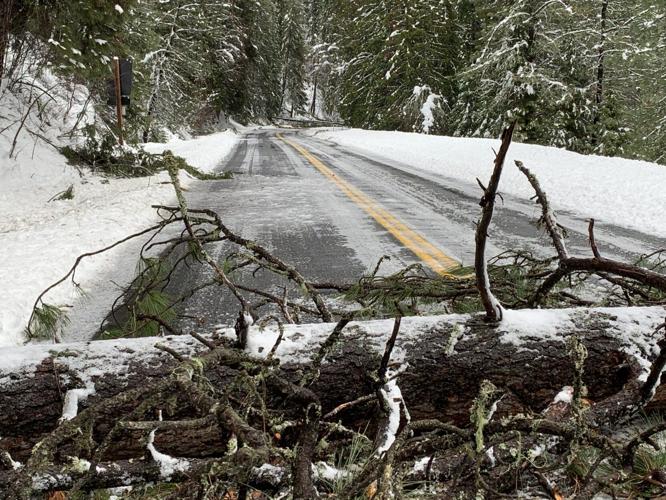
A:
(490, 303)
(595, 265)
(547, 217)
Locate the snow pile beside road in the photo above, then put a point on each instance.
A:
(206, 152)
(40, 239)
(627, 193)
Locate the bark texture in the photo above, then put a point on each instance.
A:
(442, 361)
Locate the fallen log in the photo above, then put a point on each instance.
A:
(440, 363)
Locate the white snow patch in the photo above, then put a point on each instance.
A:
(328, 472)
(517, 326)
(70, 407)
(631, 327)
(270, 473)
(168, 465)
(490, 454)
(302, 342)
(207, 152)
(393, 396)
(119, 9)
(421, 464)
(536, 451)
(428, 107)
(565, 395)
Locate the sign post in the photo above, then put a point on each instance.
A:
(119, 104)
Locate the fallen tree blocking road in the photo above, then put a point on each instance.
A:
(439, 362)
(464, 402)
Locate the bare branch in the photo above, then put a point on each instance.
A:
(490, 304)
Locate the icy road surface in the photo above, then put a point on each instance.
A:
(333, 213)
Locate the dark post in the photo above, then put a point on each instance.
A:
(119, 104)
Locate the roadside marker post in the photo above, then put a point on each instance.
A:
(119, 104)
(119, 89)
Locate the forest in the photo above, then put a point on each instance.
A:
(586, 75)
(347, 249)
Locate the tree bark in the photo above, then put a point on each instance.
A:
(6, 12)
(442, 362)
(601, 55)
(490, 303)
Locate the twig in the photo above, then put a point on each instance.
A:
(159, 321)
(390, 343)
(182, 206)
(313, 374)
(349, 404)
(204, 341)
(289, 271)
(171, 351)
(25, 117)
(548, 217)
(76, 264)
(568, 265)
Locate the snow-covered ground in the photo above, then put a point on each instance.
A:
(41, 239)
(205, 153)
(627, 193)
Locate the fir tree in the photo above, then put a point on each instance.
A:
(82, 37)
(292, 54)
(408, 46)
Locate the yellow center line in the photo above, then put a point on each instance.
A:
(437, 260)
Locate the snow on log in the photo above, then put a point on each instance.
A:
(441, 362)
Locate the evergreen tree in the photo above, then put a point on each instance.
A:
(82, 37)
(323, 61)
(190, 50)
(292, 54)
(408, 47)
(512, 78)
(258, 94)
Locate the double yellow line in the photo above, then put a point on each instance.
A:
(437, 260)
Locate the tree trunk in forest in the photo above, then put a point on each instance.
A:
(159, 74)
(441, 361)
(313, 106)
(5, 25)
(599, 95)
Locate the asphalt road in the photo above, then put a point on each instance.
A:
(333, 213)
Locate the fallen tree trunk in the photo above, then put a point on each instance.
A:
(440, 360)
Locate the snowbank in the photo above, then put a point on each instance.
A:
(40, 239)
(627, 193)
(205, 153)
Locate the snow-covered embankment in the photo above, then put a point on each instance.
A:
(40, 239)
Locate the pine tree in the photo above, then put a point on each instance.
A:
(632, 94)
(511, 78)
(291, 18)
(189, 52)
(258, 94)
(82, 37)
(323, 61)
(410, 53)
